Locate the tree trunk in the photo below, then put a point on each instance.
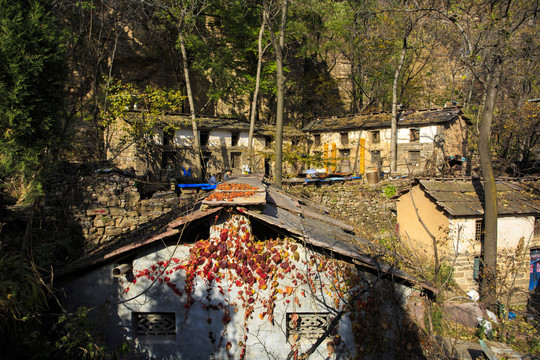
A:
(393, 129)
(255, 94)
(489, 246)
(196, 143)
(280, 78)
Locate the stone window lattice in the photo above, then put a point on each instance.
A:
(154, 324)
(479, 230)
(307, 325)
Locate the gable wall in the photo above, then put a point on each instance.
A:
(411, 230)
(202, 332)
(455, 138)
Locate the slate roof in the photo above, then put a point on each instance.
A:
(378, 120)
(227, 123)
(464, 198)
(210, 123)
(294, 217)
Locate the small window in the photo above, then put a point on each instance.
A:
(154, 325)
(415, 135)
(344, 138)
(477, 268)
(376, 137)
(204, 137)
(317, 138)
(235, 136)
(168, 137)
(414, 157)
(267, 140)
(307, 325)
(479, 231)
(168, 160)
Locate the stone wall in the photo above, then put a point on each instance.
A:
(364, 206)
(512, 275)
(109, 204)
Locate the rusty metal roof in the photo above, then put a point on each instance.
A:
(378, 120)
(464, 198)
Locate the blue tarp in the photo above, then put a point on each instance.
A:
(202, 186)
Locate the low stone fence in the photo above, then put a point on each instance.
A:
(109, 204)
(365, 206)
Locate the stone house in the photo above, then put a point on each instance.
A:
(449, 213)
(249, 272)
(426, 139)
(224, 143)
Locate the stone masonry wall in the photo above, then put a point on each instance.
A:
(109, 204)
(512, 275)
(362, 205)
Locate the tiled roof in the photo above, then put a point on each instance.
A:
(277, 209)
(367, 121)
(464, 198)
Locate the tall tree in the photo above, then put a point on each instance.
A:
(183, 15)
(279, 45)
(31, 84)
(253, 110)
(488, 29)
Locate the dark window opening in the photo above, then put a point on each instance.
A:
(235, 136)
(168, 137)
(415, 135)
(375, 137)
(344, 138)
(204, 136)
(317, 138)
(168, 161)
(267, 140)
(236, 160)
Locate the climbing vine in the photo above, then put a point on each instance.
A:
(250, 275)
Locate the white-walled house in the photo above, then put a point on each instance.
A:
(450, 211)
(249, 273)
(355, 143)
(224, 144)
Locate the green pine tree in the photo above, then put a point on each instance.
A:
(31, 74)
